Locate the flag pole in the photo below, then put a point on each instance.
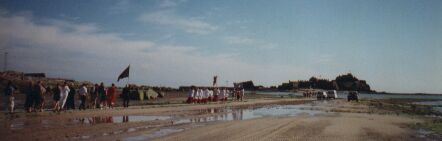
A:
(127, 81)
(128, 77)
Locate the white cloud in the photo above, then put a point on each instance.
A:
(240, 40)
(249, 42)
(168, 18)
(79, 51)
(59, 46)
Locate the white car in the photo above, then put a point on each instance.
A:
(332, 94)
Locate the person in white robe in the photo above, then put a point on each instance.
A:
(64, 92)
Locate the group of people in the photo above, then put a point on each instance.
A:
(64, 95)
(205, 95)
(98, 96)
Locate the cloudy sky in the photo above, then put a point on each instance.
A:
(396, 45)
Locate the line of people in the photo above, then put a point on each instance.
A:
(205, 95)
(64, 95)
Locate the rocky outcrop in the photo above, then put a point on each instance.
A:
(346, 82)
(350, 82)
(247, 85)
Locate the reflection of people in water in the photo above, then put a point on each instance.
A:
(237, 114)
(109, 119)
(125, 118)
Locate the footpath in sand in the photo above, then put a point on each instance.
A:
(256, 119)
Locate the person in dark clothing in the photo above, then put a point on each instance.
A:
(41, 96)
(70, 102)
(29, 97)
(94, 97)
(125, 95)
(37, 96)
(9, 92)
(56, 97)
(102, 94)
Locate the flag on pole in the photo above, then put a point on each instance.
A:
(214, 80)
(124, 74)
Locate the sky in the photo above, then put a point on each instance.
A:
(395, 45)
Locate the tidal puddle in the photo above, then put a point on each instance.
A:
(213, 115)
(229, 114)
(195, 118)
(17, 124)
(118, 119)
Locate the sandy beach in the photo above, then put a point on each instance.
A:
(258, 118)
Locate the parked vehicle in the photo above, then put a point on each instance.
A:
(353, 95)
(321, 95)
(332, 94)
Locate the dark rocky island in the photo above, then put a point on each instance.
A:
(346, 82)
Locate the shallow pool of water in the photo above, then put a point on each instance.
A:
(118, 119)
(342, 94)
(230, 114)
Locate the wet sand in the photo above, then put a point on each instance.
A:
(337, 127)
(256, 119)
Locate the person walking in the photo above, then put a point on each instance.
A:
(70, 103)
(102, 93)
(56, 98)
(111, 93)
(9, 96)
(242, 92)
(125, 95)
(216, 94)
(94, 96)
(64, 92)
(190, 96)
(29, 91)
(41, 91)
(83, 93)
(36, 96)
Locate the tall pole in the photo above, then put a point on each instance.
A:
(127, 81)
(6, 62)
(128, 76)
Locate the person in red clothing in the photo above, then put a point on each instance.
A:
(111, 94)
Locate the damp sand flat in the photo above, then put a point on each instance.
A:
(96, 124)
(253, 120)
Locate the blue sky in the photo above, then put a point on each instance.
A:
(395, 45)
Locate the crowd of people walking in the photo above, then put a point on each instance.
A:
(214, 94)
(64, 96)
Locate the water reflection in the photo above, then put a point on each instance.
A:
(362, 95)
(231, 114)
(197, 116)
(117, 119)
